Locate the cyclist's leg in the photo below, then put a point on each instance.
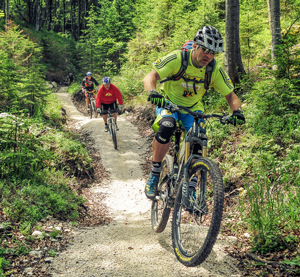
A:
(167, 124)
(87, 100)
(103, 113)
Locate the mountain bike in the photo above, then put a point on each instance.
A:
(197, 218)
(92, 104)
(112, 126)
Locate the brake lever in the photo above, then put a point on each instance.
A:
(225, 120)
(172, 107)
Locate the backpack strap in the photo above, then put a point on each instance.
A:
(208, 72)
(182, 69)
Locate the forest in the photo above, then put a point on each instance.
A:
(42, 41)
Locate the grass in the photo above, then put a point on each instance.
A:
(38, 162)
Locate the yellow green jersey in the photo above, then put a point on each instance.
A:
(177, 92)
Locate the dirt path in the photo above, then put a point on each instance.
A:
(127, 246)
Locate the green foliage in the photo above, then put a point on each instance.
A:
(54, 234)
(52, 253)
(21, 75)
(3, 265)
(56, 47)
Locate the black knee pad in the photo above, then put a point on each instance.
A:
(167, 126)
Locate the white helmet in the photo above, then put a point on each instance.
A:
(209, 37)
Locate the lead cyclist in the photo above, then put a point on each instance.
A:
(207, 43)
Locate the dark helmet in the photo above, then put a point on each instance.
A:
(89, 73)
(106, 81)
(209, 37)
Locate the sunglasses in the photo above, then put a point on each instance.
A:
(208, 51)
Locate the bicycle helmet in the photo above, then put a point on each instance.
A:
(106, 81)
(89, 73)
(209, 37)
(70, 74)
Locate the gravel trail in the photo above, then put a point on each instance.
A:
(127, 246)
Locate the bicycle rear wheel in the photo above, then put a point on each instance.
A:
(159, 211)
(114, 135)
(194, 232)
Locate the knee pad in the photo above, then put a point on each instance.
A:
(167, 126)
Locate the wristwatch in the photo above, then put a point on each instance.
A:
(152, 91)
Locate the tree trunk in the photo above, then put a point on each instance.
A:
(44, 16)
(230, 50)
(49, 19)
(239, 62)
(37, 15)
(30, 11)
(72, 19)
(7, 12)
(64, 12)
(274, 21)
(79, 13)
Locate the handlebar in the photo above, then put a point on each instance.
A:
(224, 119)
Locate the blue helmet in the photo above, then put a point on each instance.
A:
(106, 81)
(89, 73)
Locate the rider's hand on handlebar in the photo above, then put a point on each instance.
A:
(98, 110)
(237, 117)
(156, 99)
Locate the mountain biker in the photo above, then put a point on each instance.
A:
(107, 97)
(70, 79)
(87, 84)
(207, 43)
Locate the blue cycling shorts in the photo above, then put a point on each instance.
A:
(186, 119)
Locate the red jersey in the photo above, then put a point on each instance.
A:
(108, 96)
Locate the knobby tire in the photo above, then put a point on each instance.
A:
(194, 233)
(94, 109)
(91, 109)
(114, 135)
(159, 211)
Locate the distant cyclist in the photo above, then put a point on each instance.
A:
(70, 79)
(107, 97)
(87, 84)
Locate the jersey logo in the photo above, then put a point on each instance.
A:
(108, 94)
(157, 62)
(188, 93)
(190, 86)
(191, 78)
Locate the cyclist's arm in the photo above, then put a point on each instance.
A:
(96, 83)
(82, 84)
(98, 100)
(118, 96)
(233, 101)
(150, 80)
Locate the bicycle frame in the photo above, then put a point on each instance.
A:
(183, 157)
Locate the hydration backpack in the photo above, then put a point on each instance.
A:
(185, 53)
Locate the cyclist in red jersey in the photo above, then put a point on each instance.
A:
(107, 98)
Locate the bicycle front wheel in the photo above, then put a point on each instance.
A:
(91, 109)
(114, 135)
(94, 109)
(195, 230)
(159, 211)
